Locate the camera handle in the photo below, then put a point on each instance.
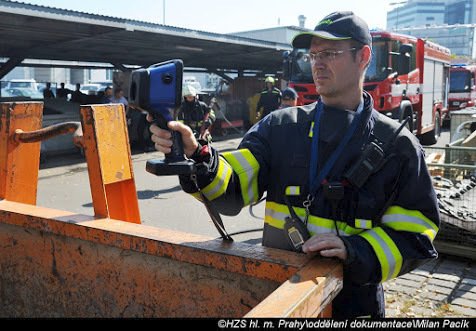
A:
(174, 163)
(176, 154)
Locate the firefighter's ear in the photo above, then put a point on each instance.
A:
(365, 56)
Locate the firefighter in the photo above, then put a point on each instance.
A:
(381, 227)
(289, 98)
(269, 100)
(195, 114)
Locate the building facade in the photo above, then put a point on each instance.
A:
(421, 13)
(450, 23)
(460, 12)
(459, 38)
(416, 13)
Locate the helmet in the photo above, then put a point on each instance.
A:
(269, 79)
(189, 90)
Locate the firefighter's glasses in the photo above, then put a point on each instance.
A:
(327, 55)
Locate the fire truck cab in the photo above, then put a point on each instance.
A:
(409, 76)
(462, 87)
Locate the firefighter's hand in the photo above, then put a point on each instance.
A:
(327, 245)
(163, 138)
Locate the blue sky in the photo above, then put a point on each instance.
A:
(227, 16)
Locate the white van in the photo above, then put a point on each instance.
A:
(23, 84)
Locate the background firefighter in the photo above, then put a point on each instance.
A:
(195, 114)
(269, 100)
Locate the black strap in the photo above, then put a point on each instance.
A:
(386, 131)
(390, 199)
(214, 215)
(387, 135)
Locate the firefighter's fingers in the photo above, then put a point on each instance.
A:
(327, 245)
(180, 127)
(149, 118)
(190, 144)
(161, 141)
(159, 133)
(163, 149)
(163, 138)
(161, 144)
(334, 252)
(316, 244)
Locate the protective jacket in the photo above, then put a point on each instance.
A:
(269, 101)
(388, 225)
(195, 114)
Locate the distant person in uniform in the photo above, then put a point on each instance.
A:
(269, 100)
(195, 114)
(106, 98)
(47, 92)
(77, 96)
(119, 97)
(62, 93)
(289, 98)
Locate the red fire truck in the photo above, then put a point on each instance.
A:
(407, 76)
(462, 87)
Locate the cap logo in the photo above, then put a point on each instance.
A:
(327, 22)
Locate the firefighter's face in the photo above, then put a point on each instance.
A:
(289, 103)
(190, 98)
(335, 69)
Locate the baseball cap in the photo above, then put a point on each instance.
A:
(289, 93)
(341, 25)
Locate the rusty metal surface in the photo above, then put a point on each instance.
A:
(254, 261)
(51, 131)
(19, 163)
(56, 263)
(57, 276)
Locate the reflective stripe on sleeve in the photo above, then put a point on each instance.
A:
(401, 219)
(220, 183)
(363, 224)
(246, 166)
(386, 250)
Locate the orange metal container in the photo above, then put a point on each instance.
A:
(54, 263)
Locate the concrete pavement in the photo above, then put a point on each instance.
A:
(445, 287)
